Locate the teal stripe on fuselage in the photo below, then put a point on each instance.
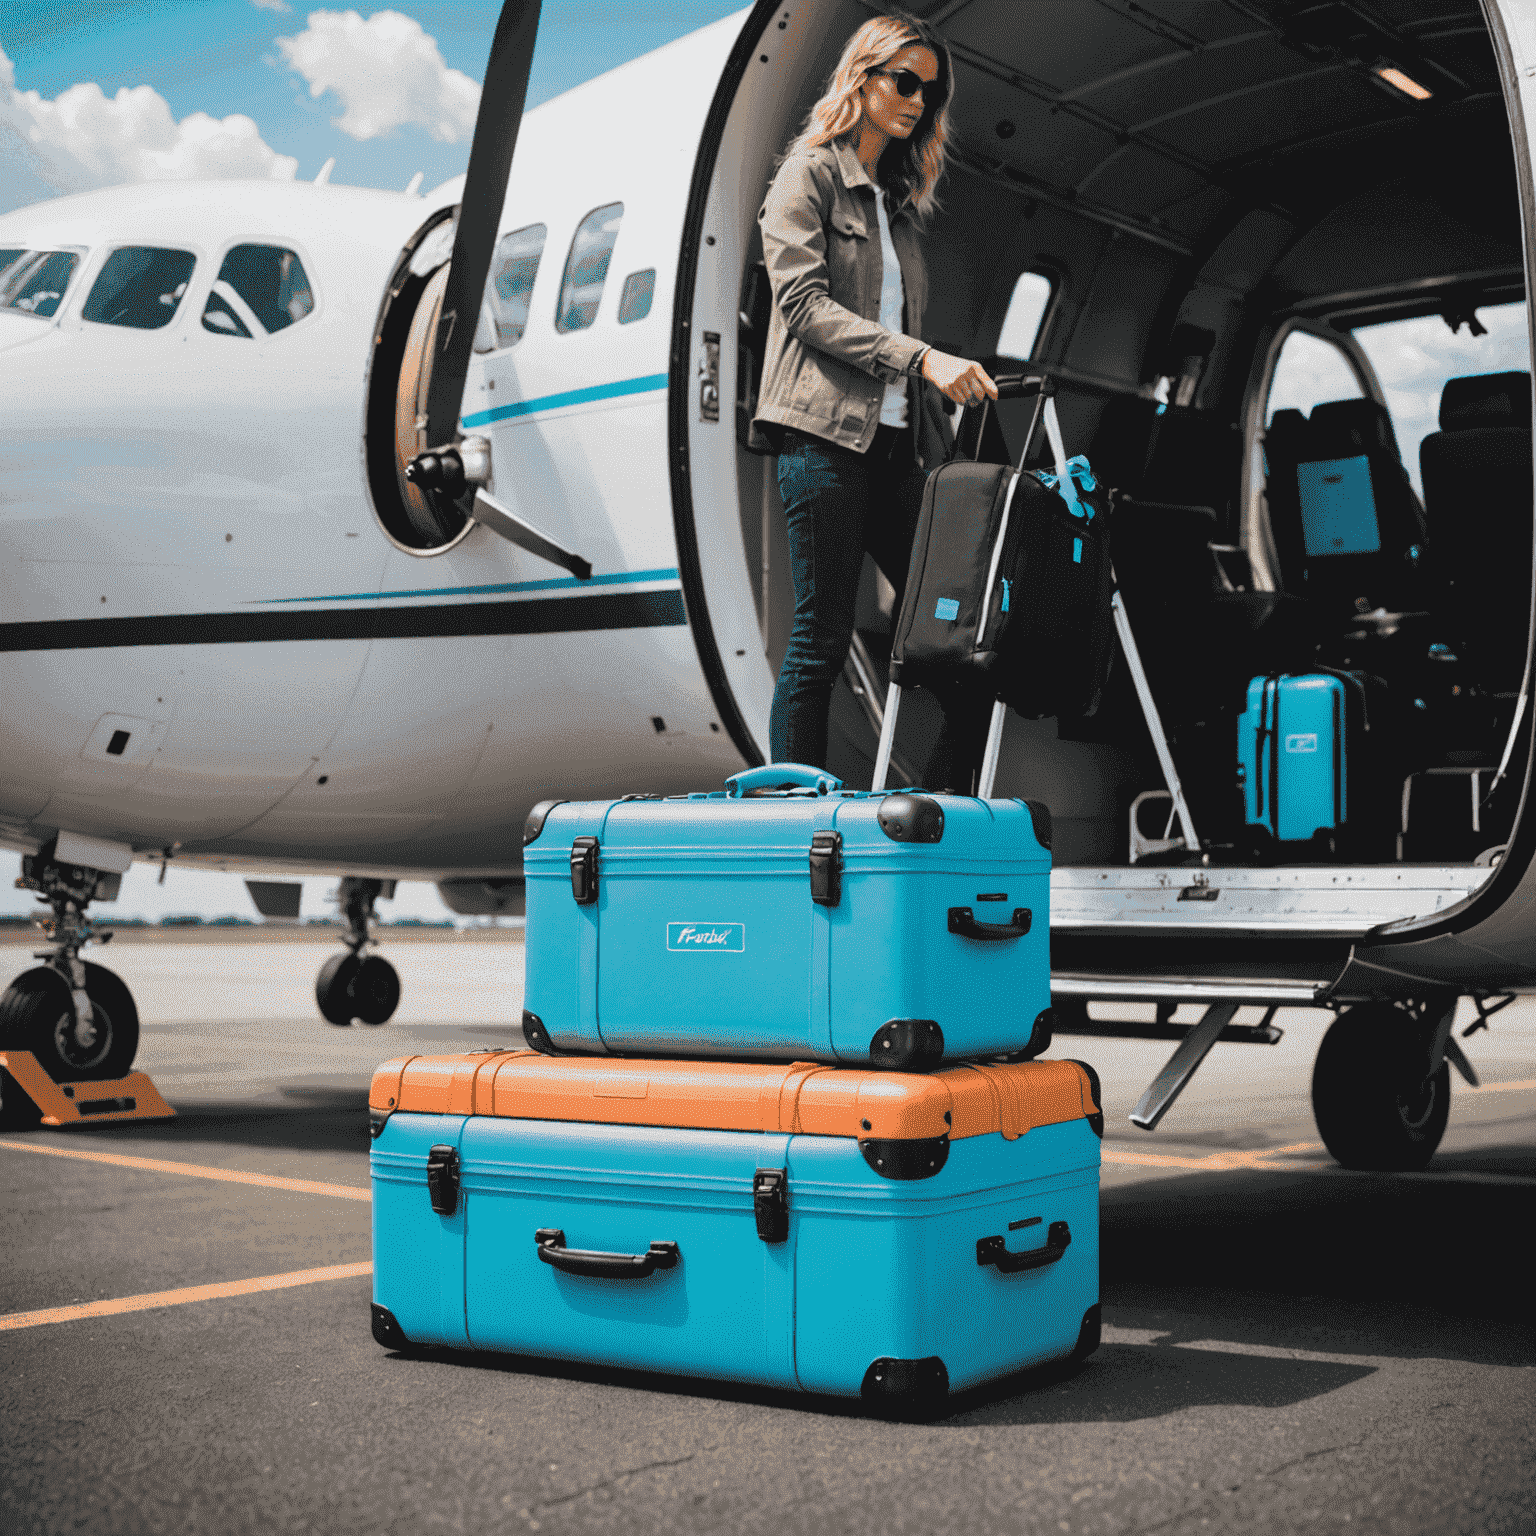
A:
(616, 578)
(644, 386)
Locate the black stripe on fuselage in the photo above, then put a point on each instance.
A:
(546, 616)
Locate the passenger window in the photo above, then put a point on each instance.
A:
(1414, 358)
(1309, 371)
(1026, 312)
(264, 285)
(33, 282)
(513, 269)
(635, 297)
(586, 268)
(141, 286)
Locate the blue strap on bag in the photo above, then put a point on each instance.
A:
(1070, 473)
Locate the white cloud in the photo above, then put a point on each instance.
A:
(280, 6)
(83, 140)
(386, 71)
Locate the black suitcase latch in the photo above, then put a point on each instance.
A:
(584, 871)
(770, 1203)
(827, 868)
(443, 1179)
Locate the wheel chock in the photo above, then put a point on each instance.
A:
(124, 1098)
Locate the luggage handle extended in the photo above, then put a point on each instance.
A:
(991, 1250)
(602, 1266)
(963, 921)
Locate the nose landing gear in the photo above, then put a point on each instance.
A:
(1381, 1086)
(357, 985)
(78, 1019)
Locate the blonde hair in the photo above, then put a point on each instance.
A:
(909, 168)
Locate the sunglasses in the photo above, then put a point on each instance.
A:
(908, 81)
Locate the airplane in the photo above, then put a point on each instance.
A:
(341, 527)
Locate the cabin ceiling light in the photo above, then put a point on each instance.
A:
(1385, 70)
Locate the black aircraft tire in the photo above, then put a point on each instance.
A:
(37, 1015)
(376, 990)
(333, 989)
(1373, 1105)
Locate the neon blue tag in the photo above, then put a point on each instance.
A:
(947, 608)
(1007, 588)
(1077, 551)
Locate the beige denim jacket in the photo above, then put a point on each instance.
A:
(828, 358)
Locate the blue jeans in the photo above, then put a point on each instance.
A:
(840, 503)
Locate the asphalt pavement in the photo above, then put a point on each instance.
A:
(184, 1342)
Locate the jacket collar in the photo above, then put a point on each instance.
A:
(854, 175)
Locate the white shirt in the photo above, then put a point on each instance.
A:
(893, 409)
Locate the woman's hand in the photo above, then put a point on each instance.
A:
(963, 382)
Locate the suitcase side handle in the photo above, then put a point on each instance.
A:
(781, 776)
(602, 1266)
(963, 921)
(990, 1250)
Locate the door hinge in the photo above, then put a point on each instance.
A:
(770, 1203)
(827, 868)
(584, 870)
(443, 1179)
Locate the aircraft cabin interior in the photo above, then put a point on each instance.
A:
(1222, 228)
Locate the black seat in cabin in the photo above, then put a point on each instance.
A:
(1477, 487)
(1201, 636)
(1348, 528)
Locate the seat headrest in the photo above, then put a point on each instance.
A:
(1361, 425)
(1486, 400)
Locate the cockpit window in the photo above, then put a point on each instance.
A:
(586, 268)
(140, 286)
(266, 284)
(513, 269)
(33, 282)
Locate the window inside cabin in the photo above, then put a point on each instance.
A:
(1414, 358)
(1309, 371)
(259, 289)
(34, 282)
(1026, 314)
(635, 297)
(586, 268)
(513, 270)
(140, 287)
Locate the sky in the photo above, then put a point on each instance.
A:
(99, 92)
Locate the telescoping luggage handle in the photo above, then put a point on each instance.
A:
(602, 1266)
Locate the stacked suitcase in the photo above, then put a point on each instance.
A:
(779, 1120)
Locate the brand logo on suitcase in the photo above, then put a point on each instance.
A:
(1302, 742)
(708, 938)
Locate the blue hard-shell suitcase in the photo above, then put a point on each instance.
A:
(1291, 756)
(789, 919)
(827, 1263)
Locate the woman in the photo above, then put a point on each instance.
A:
(840, 397)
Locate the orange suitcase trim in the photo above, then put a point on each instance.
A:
(803, 1098)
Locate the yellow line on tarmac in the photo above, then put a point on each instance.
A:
(1529, 1082)
(1212, 1162)
(197, 1171)
(177, 1298)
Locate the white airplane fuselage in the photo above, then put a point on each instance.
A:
(191, 555)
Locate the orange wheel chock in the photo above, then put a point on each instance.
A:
(124, 1098)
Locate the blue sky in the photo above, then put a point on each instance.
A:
(226, 57)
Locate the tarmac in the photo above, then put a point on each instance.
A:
(184, 1340)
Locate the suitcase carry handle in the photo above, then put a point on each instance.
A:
(963, 921)
(780, 776)
(990, 1250)
(602, 1266)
